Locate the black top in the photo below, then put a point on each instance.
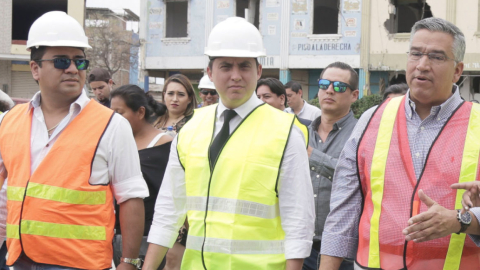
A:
(105, 102)
(153, 162)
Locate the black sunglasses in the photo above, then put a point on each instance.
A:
(64, 63)
(211, 92)
(338, 87)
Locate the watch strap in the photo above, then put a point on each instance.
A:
(463, 226)
(135, 262)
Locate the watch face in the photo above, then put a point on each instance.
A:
(466, 218)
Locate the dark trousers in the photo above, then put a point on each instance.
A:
(3, 256)
(313, 261)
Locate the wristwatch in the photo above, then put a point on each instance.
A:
(465, 219)
(135, 262)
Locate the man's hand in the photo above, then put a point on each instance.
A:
(435, 223)
(471, 197)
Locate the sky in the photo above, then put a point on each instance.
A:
(133, 5)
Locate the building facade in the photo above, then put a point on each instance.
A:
(301, 37)
(16, 17)
(387, 30)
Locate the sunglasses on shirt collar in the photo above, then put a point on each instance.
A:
(211, 92)
(64, 63)
(338, 87)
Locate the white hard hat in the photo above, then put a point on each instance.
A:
(56, 29)
(205, 83)
(235, 37)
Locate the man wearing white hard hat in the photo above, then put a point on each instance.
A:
(208, 93)
(67, 158)
(244, 183)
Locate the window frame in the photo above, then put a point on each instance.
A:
(176, 40)
(337, 36)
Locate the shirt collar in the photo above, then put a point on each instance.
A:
(78, 104)
(244, 109)
(442, 111)
(338, 125)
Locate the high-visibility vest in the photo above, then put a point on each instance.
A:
(55, 216)
(390, 189)
(233, 208)
(303, 128)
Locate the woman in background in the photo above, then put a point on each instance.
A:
(179, 97)
(140, 109)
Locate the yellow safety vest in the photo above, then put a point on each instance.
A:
(235, 204)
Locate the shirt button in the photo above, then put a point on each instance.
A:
(314, 195)
(318, 175)
(422, 128)
(320, 141)
(340, 128)
(417, 154)
(47, 145)
(313, 168)
(330, 177)
(438, 118)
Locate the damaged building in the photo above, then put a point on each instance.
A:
(386, 32)
(16, 17)
(301, 37)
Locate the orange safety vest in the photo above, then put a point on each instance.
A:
(390, 189)
(55, 216)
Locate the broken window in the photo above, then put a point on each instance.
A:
(325, 16)
(176, 19)
(476, 85)
(25, 12)
(253, 7)
(405, 13)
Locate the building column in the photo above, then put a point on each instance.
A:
(285, 75)
(363, 78)
(451, 11)
(145, 83)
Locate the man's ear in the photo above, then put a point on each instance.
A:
(34, 67)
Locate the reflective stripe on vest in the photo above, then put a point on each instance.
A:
(235, 204)
(468, 172)
(228, 246)
(58, 194)
(57, 230)
(379, 163)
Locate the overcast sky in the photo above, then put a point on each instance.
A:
(133, 5)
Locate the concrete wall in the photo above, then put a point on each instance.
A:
(303, 50)
(6, 23)
(388, 51)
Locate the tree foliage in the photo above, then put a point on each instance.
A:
(112, 46)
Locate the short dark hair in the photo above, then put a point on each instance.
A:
(37, 54)
(134, 97)
(4, 106)
(211, 59)
(400, 88)
(275, 86)
(295, 86)
(353, 82)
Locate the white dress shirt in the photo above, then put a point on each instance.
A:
(297, 210)
(308, 111)
(116, 160)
